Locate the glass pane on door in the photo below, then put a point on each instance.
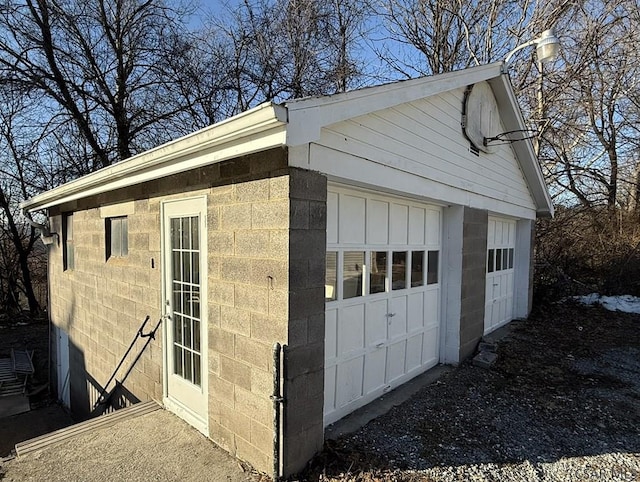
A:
(185, 276)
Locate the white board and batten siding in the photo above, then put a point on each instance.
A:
(418, 148)
(499, 296)
(382, 295)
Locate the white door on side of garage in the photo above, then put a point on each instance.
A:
(382, 296)
(501, 242)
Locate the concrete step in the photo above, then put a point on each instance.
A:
(103, 421)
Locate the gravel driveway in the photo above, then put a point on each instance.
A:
(562, 403)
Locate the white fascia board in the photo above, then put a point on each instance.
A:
(257, 129)
(525, 154)
(308, 116)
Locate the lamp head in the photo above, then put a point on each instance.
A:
(547, 46)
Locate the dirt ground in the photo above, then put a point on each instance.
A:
(26, 333)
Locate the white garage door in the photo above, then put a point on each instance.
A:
(501, 241)
(382, 293)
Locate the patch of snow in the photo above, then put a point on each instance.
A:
(624, 303)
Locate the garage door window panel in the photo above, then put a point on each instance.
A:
(353, 274)
(378, 272)
(331, 282)
(417, 268)
(399, 270)
(433, 267)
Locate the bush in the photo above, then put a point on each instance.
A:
(587, 250)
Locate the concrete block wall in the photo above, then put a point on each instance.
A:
(266, 250)
(248, 279)
(474, 255)
(266, 279)
(304, 383)
(102, 302)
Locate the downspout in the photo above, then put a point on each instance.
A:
(278, 400)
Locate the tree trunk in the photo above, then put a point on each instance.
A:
(23, 254)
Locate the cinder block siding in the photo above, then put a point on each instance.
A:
(266, 279)
(248, 293)
(101, 303)
(266, 249)
(304, 384)
(474, 255)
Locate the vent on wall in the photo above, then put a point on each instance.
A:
(480, 118)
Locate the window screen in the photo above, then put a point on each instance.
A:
(117, 237)
(68, 258)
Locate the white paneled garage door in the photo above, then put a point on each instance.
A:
(501, 242)
(382, 296)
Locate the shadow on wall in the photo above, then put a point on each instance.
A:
(88, 397)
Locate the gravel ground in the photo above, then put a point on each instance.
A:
(562, 403)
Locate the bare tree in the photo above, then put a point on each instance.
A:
(282, 49)
(426, 37)
(99, 65)
(592, 140)
(18, 180)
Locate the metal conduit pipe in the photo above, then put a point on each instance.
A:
(277, 399)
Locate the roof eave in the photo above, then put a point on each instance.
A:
(257, 129)
(523, 149)
(307, 116)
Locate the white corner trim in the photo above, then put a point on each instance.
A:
(257, 129)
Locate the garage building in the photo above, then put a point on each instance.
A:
(374, 233)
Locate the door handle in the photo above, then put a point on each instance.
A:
(390, 315)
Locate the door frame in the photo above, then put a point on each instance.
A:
(199, 421)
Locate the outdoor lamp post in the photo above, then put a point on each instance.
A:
(547, 47)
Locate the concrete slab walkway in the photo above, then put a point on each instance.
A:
(24, 426)
(157, 446)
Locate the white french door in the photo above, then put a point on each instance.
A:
(185, 309)
(64, 381)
